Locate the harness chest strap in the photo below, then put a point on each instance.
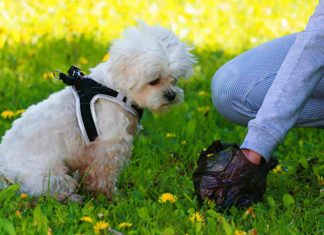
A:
(86, 92)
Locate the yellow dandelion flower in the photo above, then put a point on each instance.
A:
(101, 225)
(203, 93)
(167, 197)
(18, 213)
(125, 225)
(320, 180)
(278, 169)
(239, 232)
(200, 109)
(106, 57)
(249, 211)
(196, 217)
(86, 219)
(170, 135)
(23, 195)
(83, 60)
(7, 114)
(48, 75)
(204, 109)
(19, 112)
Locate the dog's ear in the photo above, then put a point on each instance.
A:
(123, 77)
(127, 80)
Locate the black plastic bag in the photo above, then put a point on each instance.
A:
(225, 176)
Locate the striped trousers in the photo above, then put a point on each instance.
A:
(239, 86)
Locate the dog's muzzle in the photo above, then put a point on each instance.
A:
(170, 96)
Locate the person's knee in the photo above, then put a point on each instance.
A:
(223, 88)
(227, 95)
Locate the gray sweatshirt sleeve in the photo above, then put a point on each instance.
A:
(296, 79)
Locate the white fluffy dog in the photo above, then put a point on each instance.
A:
(45, 145)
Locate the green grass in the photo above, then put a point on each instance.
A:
(292, 204)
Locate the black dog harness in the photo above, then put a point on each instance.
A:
(86, 92)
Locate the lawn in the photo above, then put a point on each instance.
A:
(37, 37)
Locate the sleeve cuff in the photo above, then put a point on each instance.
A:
(260, 141)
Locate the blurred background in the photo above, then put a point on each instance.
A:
(231, 25)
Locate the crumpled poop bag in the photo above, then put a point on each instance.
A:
(226, 177)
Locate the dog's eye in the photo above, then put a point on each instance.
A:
(174, 81)
(156, 81)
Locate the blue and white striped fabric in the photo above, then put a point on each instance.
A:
(239, 86)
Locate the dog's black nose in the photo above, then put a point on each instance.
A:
(170, 95)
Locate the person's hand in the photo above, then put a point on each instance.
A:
(227, 177)
(252, 156)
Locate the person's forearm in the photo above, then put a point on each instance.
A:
(287, 96)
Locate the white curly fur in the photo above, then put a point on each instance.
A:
(45, 145)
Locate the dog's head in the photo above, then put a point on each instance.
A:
(146, 64)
